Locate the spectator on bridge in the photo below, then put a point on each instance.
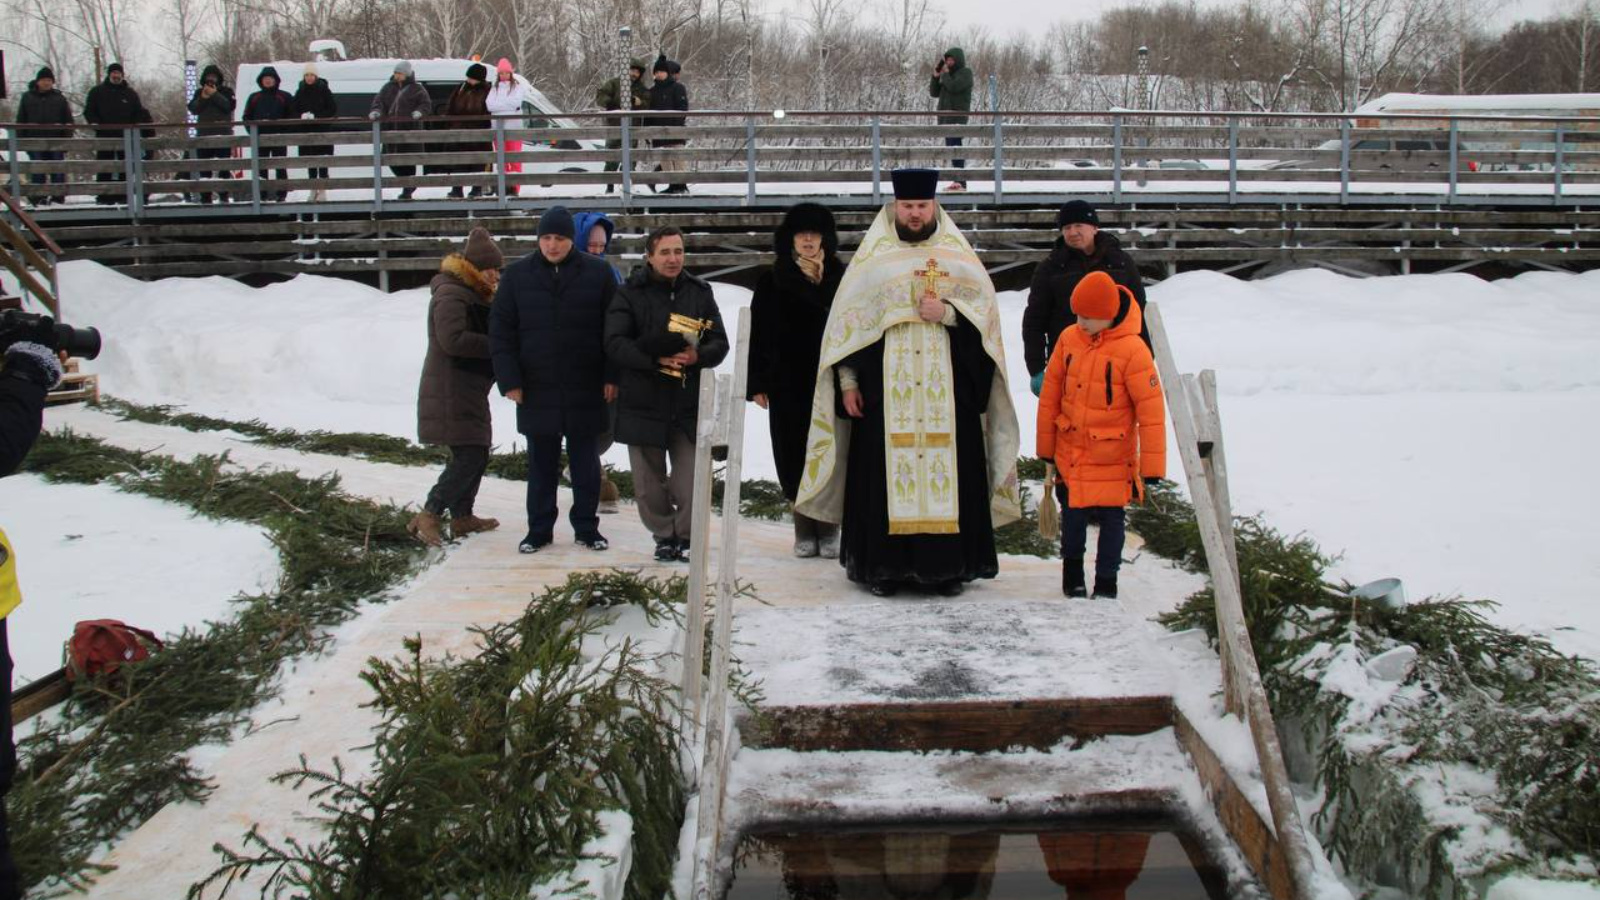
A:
(546, 335)
(610, 97)
(471, 98)
(453, 400)
(1106, 448)
(272, 106)
(42, 104)
(212, 105)
(1082, 248)
(952, 85)
(401, 104)
(658, 399)
(790, 312)
(668, 95)
(594, 230)
(505, 101)
(114, 105)
(313, 100)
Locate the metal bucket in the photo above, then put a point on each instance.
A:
(1385, 592)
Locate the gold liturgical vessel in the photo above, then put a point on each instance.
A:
(691, 329)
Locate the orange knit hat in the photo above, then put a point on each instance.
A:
(1096, 297)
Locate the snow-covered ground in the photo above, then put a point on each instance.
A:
(1429, 427)
(154, 564)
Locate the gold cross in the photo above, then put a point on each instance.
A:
(930, 276)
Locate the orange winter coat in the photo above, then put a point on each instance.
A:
(1102, 417)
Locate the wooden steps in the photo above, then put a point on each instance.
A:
(76, 387)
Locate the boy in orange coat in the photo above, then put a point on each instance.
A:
(1102, 419)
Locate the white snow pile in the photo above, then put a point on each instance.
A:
(155, 565)
(1428, 427)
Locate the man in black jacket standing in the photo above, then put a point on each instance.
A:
(113, 102)
(668, 95)
(274, 108)
(212, 105)
(1082, 248)
(658, 400)
(42, 104)
(546, 330)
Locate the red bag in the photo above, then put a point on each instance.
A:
(101, 646)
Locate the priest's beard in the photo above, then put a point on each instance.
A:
(916, 236)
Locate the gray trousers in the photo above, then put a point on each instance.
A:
(663, 497)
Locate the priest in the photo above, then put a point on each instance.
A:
(913, 439)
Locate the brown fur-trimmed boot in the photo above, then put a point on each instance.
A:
(427, 528)
(461, 526)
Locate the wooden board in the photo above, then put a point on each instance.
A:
(1250, 832)
(38, 696)
(976, 726)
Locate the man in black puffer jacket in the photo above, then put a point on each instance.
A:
(274, 108)
(212, 105)
(546, 330)
(42, 104)
(1082, 248)
(113, 102)
(657, 411)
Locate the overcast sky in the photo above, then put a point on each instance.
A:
(1006, 16)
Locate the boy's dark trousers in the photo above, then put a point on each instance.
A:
(457, 488)
(1075, 534)
(544, 473)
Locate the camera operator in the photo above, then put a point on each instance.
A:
(30, 369)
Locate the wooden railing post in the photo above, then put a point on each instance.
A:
(1344, 161)
(627, 161)
(14, 149)
(377, 164)
(694, 638)
(1116, 159)
(750, 161)
(877, 161)
(1455, 158)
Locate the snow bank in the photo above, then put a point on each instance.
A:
(93, 552)
(1428, 427)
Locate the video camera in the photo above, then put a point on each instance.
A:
(16, 325)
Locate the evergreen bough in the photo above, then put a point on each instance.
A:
(117, 750)
(490, 772)
(1479, 699)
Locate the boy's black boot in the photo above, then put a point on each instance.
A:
(1072, 584)
(1105, 586)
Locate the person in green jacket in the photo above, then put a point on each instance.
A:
(952, 85)
(610, 97)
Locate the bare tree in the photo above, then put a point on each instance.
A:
(1372, 45)
(1579, 46)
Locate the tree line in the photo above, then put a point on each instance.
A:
(1263, 55)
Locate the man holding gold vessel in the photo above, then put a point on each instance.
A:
(662, 330)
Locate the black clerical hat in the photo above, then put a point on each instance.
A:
(915, 184)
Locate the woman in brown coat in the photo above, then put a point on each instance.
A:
(453, 400)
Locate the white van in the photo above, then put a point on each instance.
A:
(355, 82)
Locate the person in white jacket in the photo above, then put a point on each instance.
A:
(506, 99)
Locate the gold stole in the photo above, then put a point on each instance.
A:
(919, 421)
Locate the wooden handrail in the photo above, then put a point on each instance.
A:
(28, 222)
(1191, 403)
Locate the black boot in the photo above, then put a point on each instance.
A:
(1105, 586)
(1072, 578)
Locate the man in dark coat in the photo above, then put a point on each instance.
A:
(212, 105)
(42, 104)
(313, 100)
(609, 96)
(952, 85)
(272, 106)
(453, 398)
(658, 398)
(546, 333)
(1082, 248)
(112, 103)
(668, 95)
(788, 314)
(401, 103)
(471, 98)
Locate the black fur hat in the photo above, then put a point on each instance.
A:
(806, 217)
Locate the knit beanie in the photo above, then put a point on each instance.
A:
(1096, 297)
(477, 71)
(637, 63)
(44, 73)
(403, 67)
(114, 67)
(482, 251)
(660, 65)
(310, 69)
(556, 220)
(1075, 211)
(504, 65)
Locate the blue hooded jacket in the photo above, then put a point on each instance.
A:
(583, 223)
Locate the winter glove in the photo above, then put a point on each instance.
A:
(1037, 383)
(664, 343)
(35, 362)
(373, 115)
(416, 114)
(308, 115)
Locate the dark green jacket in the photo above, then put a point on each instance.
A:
(609, 96)
(953, 88)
